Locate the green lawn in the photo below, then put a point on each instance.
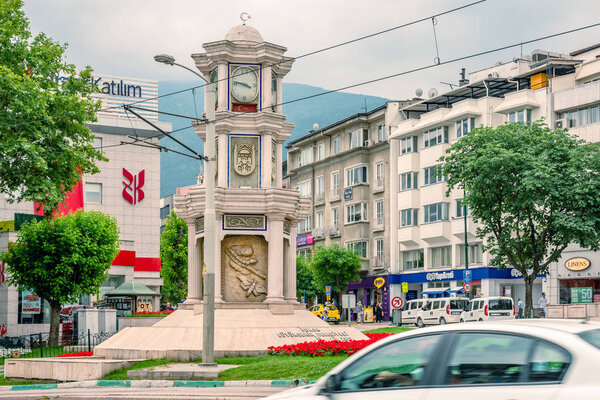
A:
(10, 382)
(49, 351)
(389, 329)
(121, 374)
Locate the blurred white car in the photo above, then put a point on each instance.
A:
(495, 360)
(488, 308)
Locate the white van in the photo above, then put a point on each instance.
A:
(489, 308)
(441, 311)
(410, 310)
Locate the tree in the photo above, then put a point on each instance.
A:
(532, 190)
(174, 258)
(45, 142)
(63, 258)
(305, 285)
(335, 266)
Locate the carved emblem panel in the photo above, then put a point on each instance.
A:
(244, 268)
(244, 161)
(242, 222)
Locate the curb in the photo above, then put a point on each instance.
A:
(158, 383)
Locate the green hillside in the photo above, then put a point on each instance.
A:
(177, 170)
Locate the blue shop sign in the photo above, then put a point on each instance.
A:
(456, 275)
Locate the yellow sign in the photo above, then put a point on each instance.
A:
(379, 282)
(7, 225)
(144, 304)
(577, 263)
(404, 287)
(328, 297)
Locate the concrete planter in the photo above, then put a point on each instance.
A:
(125, 322)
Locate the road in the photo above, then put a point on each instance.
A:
(221, 393)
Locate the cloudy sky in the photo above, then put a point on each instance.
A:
(120, 37)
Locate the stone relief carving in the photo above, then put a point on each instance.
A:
(274, 163)
(244, 268)
(287, 226)
(244, 159)
(199, 224)
(244, 221)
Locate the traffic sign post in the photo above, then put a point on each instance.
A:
(404, 287)
(397, 302)
(468, 277)
(468, 287)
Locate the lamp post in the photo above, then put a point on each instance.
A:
(208, 328)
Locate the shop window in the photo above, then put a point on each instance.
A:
(579, 291)
(32, 309)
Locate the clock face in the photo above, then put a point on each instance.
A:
(244, 84)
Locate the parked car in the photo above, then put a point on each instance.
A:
(441, 311)
(333, 315)
(489, 308)
(519, 359)
(410, 310)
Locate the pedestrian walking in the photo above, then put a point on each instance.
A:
(324, 313)
(378, 312)
(542, 302)
(520, 308)
(359, 313)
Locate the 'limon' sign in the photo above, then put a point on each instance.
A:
(577, 263)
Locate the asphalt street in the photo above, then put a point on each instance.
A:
(220, 393)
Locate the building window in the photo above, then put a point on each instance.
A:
(381, 133)
(460, 209)
(379, 212)
(93, 193)
(305, 189)
(98, 143)
(320, 151)
(359, 248)
(305, 253)
(335, 182)
(409, 217)
(409, 180)
(475, 254)
(356, 212)
(409, 145)
(165, 211)
(320, 187)
(441, 257)
(464, 126)
(582, 116)
(379, 252)
(379, 173)
(335, 217)
(306, 157)
(358, 138)
(433, 175)
(436, 212)
(319, 222)
(523, 115)
(412, 259)
(435, 136)
(305, 225)
(356, 175)
(336, 145)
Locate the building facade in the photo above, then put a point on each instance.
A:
(127, 188)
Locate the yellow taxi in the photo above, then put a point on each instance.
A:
(333, 315)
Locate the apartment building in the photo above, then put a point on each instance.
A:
(428, 238)
(343, 168)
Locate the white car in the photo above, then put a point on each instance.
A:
(522, 359)
(489, 308)
(410, 310)
(441, 311)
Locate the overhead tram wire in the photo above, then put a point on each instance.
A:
(407, 72)
(274, 64)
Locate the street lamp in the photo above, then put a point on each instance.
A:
(208, 317)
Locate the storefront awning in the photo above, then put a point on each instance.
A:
(459, 290)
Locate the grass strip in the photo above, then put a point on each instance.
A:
(390, 329)
(18, 382)
(121, 374)
(198, 383)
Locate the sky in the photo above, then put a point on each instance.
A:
(120, 37)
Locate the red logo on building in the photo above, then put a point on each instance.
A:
(132, 192)
(2, 276)
(3, 330)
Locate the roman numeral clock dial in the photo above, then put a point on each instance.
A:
(244, 84)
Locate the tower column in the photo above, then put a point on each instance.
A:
(222, 87)
(267, 160)
(290, 282)
(267, 100)
(279, 172)
(222, 160)
(218, 270)
(275, 257)
(194, 267)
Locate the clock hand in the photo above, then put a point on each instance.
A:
(241, 83)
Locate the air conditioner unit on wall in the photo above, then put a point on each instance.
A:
(367, 143)
(562, 123)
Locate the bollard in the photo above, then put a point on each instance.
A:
(41, 346)
(89, 342)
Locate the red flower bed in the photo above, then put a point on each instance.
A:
(327, 347)
(80, 354)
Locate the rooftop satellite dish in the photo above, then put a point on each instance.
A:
(432, 92)
(418, 92)
(315, 126)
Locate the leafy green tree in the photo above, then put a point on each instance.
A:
(532, 190)
(45, 142)
(335, 266)
(305, 285)
(63, 258)
(174, 258)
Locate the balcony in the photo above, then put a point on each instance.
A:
(334, 194)
(319, 198)
(458, 228)
(379, 185)
(409, 162)
(318, 234)
(409, 235)
(334, 231)
(577, 97)
(379, 224)
(378, 264)
(436, 232)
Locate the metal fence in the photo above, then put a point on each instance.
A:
(38, 345)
